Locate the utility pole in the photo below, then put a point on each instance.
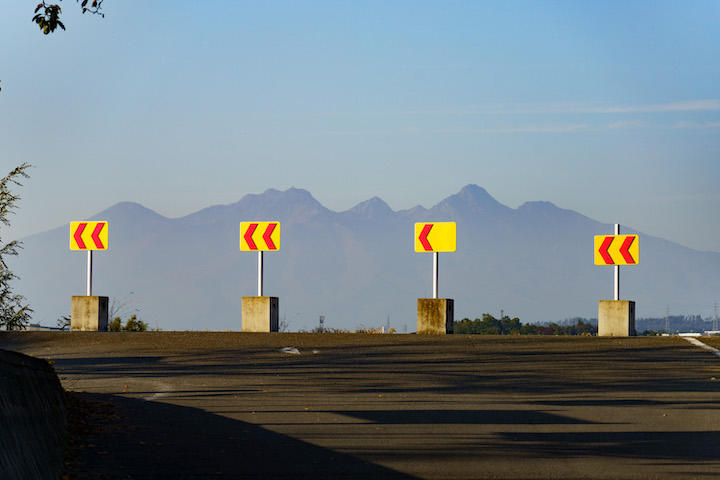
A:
(667, 319)
(715, 319)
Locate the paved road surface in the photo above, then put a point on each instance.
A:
(230, 405)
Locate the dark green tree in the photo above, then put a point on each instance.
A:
(14, 312)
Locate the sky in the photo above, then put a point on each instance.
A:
(608, 108)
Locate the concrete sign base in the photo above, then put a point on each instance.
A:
(616, 318)
(259, 314)
(89, 313)
(435, 316)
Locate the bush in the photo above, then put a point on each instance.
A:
(133, 324)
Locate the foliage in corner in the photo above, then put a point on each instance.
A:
(47, 15)
(14, 312)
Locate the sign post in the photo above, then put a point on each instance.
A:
(435, 274)
(616, 290)
(260, 313)
(616, 317)
(260, 273)
(89, 273)
(89, 312)
(435, 315)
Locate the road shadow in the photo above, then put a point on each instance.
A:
(114, 437)
(687, 446)
(357, 370)
(463, 417)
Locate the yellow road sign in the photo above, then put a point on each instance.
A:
(89, 235)
(435, 237)
(616, 250)
(256, 236)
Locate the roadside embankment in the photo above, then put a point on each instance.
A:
(32, 418)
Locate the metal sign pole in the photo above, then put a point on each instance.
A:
(260, 273)
(617, 269)
(89, 273)
(435, 274)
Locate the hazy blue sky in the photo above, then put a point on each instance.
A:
(608, 108)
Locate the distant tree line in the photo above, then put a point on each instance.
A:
(489, 325)
(675, 323)
(657, 325)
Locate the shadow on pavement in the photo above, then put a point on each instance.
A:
(114, 437)
(688, 446)
(463, 417)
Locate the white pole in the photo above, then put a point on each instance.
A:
(260, 273)
(617, 269)
(89, 273)
(435, 274)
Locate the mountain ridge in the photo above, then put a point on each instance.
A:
(471, 195)
(358, 266)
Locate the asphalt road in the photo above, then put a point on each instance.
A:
(231, 405)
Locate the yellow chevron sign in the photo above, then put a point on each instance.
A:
(257, 236)
(616, 250)
(435, 237)
(89, 235)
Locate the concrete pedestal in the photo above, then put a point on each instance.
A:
(259, 314)
(435, 316)
(89, 314)
(616, 318)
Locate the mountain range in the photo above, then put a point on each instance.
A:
(358, 267)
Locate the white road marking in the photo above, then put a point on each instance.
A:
(702, 345)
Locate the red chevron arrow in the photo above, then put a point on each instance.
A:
(96, 235)
(624, 250)
(604, 251)
(423, 237)
(248, 236)
(266, 236)
(78, 235)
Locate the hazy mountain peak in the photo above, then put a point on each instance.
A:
(294, 203)
(416, 210)
(473, 190)
(272, 196)
(373, 208)
(471, 198)
(291, 194)
(475, 195)
(128, 209)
